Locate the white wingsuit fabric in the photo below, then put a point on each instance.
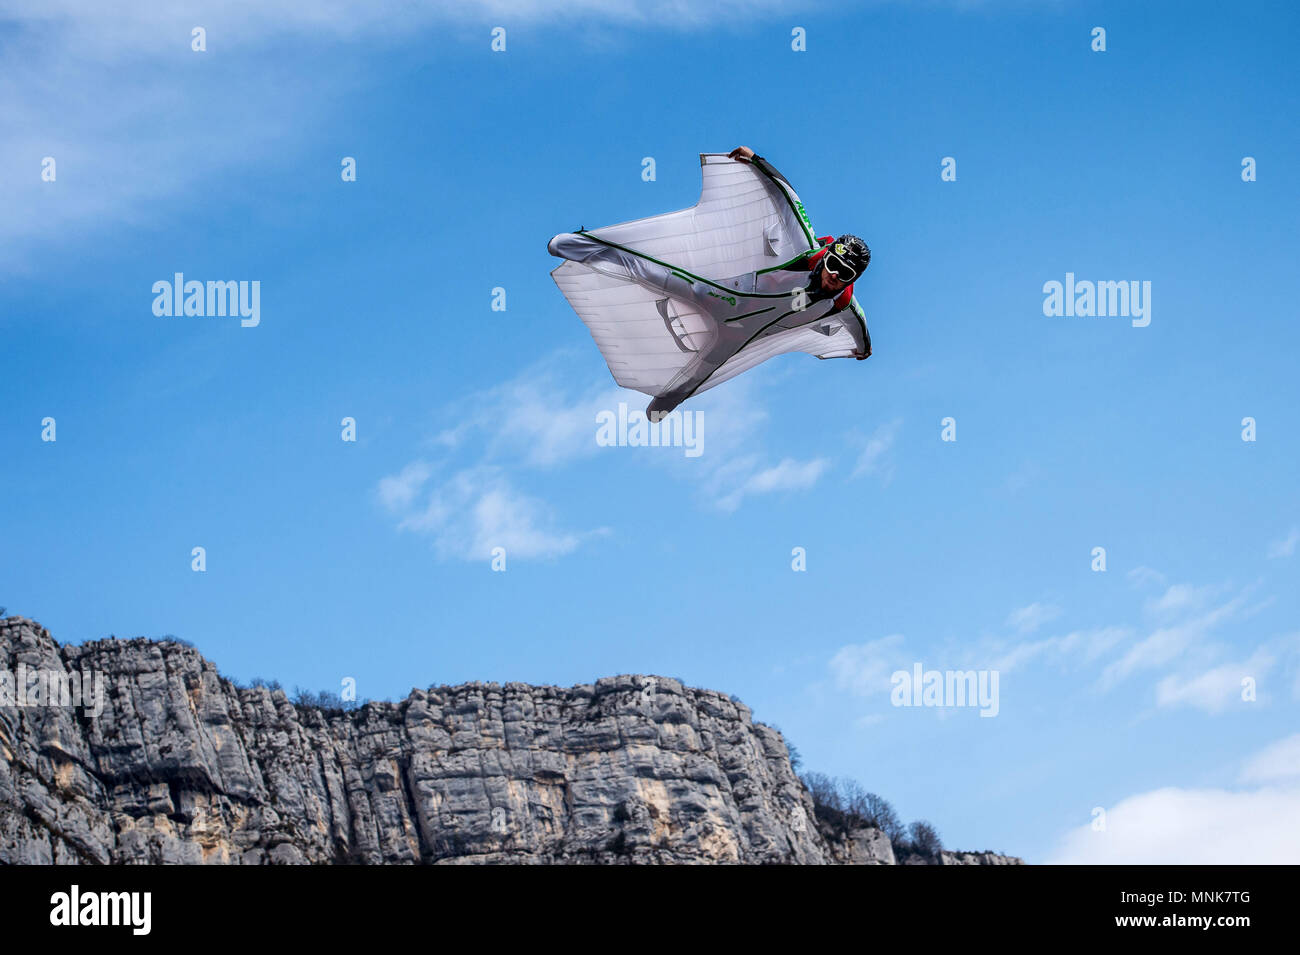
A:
(681, 302)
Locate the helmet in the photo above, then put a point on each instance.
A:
(853, 251)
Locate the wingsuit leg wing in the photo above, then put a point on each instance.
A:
(696, 373)
(621, 263)
(713, 336)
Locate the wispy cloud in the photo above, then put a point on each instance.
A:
(1145, 576)
(1167, 643)
(1029, 618)
(1216, 689)
(544, 417)
(82, 84)
(545, 420)
(788, 475)
(1286, 546)
(1024, 476)
(1184, 642)
(473, 512)
(398, 492)
(1275, 763)
(1077, 647)
(877, 456)
(863, 669)
(1181, 598)
(535, 421)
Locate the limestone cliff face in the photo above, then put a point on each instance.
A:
(180, 765)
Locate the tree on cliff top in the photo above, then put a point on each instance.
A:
(843, 805)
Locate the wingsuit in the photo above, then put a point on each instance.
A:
(717, 324)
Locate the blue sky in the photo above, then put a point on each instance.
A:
(325, 559)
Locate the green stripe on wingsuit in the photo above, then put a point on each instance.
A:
(681, 271)
(749, 341)
(799, 212)
(786, 265)
(748, 314)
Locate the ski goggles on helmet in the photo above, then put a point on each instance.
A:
(839, 268)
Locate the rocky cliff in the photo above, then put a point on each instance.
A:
(140, 751)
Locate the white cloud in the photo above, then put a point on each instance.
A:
(113, 25)
(1168, 643)
(82, 85)
(397, 493)
(864, 669)
(1142, 576)
(1285, 547)
(1173, 826)
(1192, 827)
(540, 418)
(1185, 641)
(1277, 762)
(138, 123)
(789, 475)
(1159, 647)
(873, 719)
(1029, 618)
(1180, 598)
(1027, 474)
(876, 457)
(533, 421)
(1214, 690)
(473, 512)
(734, 465)
(1084, 646)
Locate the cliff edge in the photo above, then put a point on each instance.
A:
(138, 750)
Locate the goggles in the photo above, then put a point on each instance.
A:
(839, 268)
